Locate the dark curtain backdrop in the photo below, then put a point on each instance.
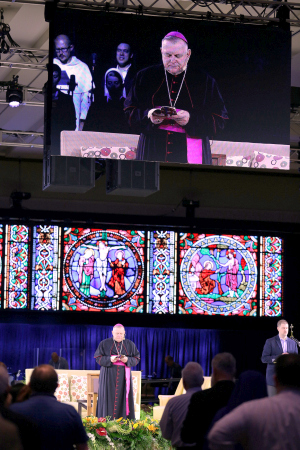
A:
(24, 345)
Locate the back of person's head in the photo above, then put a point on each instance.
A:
(169, 359)
(2, 364)
(251, 385)
(4, 385)
(4, 380)
(192, 375)
(224, 365)
(20, 392)
(287, 371)
(44, 379)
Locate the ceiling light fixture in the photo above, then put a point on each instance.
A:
(14, 93)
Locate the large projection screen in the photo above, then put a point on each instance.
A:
(236, 90)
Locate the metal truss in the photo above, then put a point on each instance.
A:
(25, 58)
(17, 138)
(254, 11)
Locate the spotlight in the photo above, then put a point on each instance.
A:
(14, 93)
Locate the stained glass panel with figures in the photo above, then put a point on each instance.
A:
(45, 267)
(103, 270)
(161, 272)
(218, 274)
(271, 268)
(17, 263)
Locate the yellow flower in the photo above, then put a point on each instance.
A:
(152, 428)
(135, 425)
(119, 420)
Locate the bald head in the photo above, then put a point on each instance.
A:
(44, 379)
(63, 48)
(54, 357)
(192, 375)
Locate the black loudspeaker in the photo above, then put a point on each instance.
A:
(295, 97)
(50, 10)
(68, 174)
(132, 178)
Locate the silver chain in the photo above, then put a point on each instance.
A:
(173, 106)
(119, 354)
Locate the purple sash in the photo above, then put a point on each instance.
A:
(194, 145)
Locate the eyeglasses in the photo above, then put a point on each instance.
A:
(63, 50)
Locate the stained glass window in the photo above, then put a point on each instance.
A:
(45, 267)
(103, 270)
(271, 276)
(161, 293)
(218, 274)
(16, 275)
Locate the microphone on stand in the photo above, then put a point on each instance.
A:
(72, 84)
(94, 61)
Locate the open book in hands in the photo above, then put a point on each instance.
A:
(166, 111)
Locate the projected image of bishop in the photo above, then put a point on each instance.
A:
(175, 109)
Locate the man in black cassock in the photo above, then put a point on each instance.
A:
(198, 108)
(115, 356)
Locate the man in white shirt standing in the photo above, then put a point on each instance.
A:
(124, 57)
(270, 423)
(274, 347)
(176, 408)
(83, 82)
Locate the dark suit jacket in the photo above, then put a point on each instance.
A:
(273, 349)
(202, 409)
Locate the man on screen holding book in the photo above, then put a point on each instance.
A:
(175, 110)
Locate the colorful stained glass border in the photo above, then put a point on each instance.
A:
(218, 274)
(161, 272)
(271, 270)
(45, 267)
(17, 264)
(103, 270)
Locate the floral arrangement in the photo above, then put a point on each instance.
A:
(124, 434)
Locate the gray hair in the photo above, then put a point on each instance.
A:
(192, 375)
(224, 362)
(173, 40)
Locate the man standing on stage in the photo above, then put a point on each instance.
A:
(116, 356)
(83, 83)
(124, 57)
(175, 110)
(275, 346)
(58, 362)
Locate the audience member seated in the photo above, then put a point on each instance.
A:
(175, 372)
(270, 423)
(58, 362)
(176, 408)
(205, 404)
(9, 433)
(27, 430)
(59, 424)
(20, 392)
(63, 112)
(251, 385)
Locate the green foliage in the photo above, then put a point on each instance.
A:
(125, 434)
